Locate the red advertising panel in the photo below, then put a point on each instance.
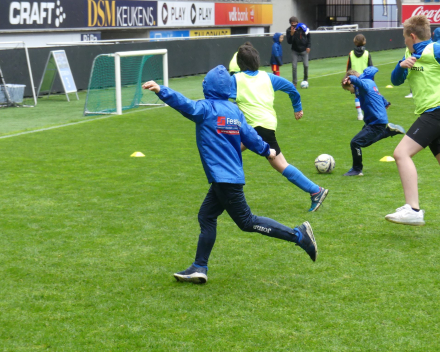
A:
(432, 12)
(243, 14)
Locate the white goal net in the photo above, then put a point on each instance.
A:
(116, 81)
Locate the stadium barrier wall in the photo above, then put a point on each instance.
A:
(191, 57)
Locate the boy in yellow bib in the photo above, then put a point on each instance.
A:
(358, 60)
(421, 66)
(254, 92)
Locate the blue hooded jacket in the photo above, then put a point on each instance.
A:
(436, 35)
(277, 51)
(372, 102)
(220, 127)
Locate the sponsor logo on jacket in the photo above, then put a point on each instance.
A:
(225, 125)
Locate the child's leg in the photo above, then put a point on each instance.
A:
(276, 70)
(357, 104)
(233, 200)
(403, 154)
(210, 210)
(366, 137)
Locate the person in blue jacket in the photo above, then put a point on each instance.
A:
(276, 59)
(436, 35)
(376, 125)
(220, 130)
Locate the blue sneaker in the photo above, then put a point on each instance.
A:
(308, 242)
(318, 198)
(192, 274)
(395, 129)
(353, 172)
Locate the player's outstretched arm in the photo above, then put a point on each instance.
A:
(193, 110)
(282, 84)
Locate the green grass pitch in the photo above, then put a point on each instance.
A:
(90, 237)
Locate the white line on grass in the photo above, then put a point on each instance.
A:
(75, 123)
(338, 73)
(107, 116)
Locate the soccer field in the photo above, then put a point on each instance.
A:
(90, 237)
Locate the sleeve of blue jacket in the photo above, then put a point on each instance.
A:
(399, 74)
(282, 84)
(251, 139)
(357, 82)
(193, 110)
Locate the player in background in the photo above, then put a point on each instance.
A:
(220, 130)
(376, 126)
(254, 92)
(421, 67)
(233, 66)
(358, 60)
(276, 58)
(436, 35)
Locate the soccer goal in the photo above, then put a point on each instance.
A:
(344, 27)
(16, 81)
(116, 81)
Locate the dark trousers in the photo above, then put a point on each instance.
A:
(230, 197)
(367, 136)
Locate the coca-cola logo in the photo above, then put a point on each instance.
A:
(433, 15)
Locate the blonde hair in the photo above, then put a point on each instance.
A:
(349, 73)
(359, 40)
(419, 26)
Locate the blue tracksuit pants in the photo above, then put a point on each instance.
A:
(230, 197)
(367, 136)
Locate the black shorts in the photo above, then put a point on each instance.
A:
(269, 137)
(426, 131)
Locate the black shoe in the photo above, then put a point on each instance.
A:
(192, 274)
(308, 242)
(318, 198)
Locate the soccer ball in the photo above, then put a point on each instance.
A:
(304, 84)
(324, 164)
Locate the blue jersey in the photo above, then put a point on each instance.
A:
(220, 127)
(372, 102)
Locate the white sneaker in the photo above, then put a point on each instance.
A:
(406, 216)
(360, 117)
(409, 95)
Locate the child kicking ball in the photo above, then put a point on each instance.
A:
(374, 105)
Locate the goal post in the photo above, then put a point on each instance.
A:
(16, 89)
(116, 81)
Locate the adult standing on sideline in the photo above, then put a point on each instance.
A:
(298, 35)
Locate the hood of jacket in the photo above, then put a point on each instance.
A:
(369, 72)
(276, 37)
(359, 51)
(436, 35)
(217, 84)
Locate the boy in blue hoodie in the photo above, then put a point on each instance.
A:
(220, 130)
(376, 125)
(276, 59)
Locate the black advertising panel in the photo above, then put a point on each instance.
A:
(71, 14)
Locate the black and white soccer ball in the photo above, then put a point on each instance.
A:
(304, 84)
(325, 163)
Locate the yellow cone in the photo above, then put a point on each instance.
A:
(389, 86)
(137, 154)
(387, 159)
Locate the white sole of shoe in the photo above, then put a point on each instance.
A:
(196, 278)
(411, 223)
